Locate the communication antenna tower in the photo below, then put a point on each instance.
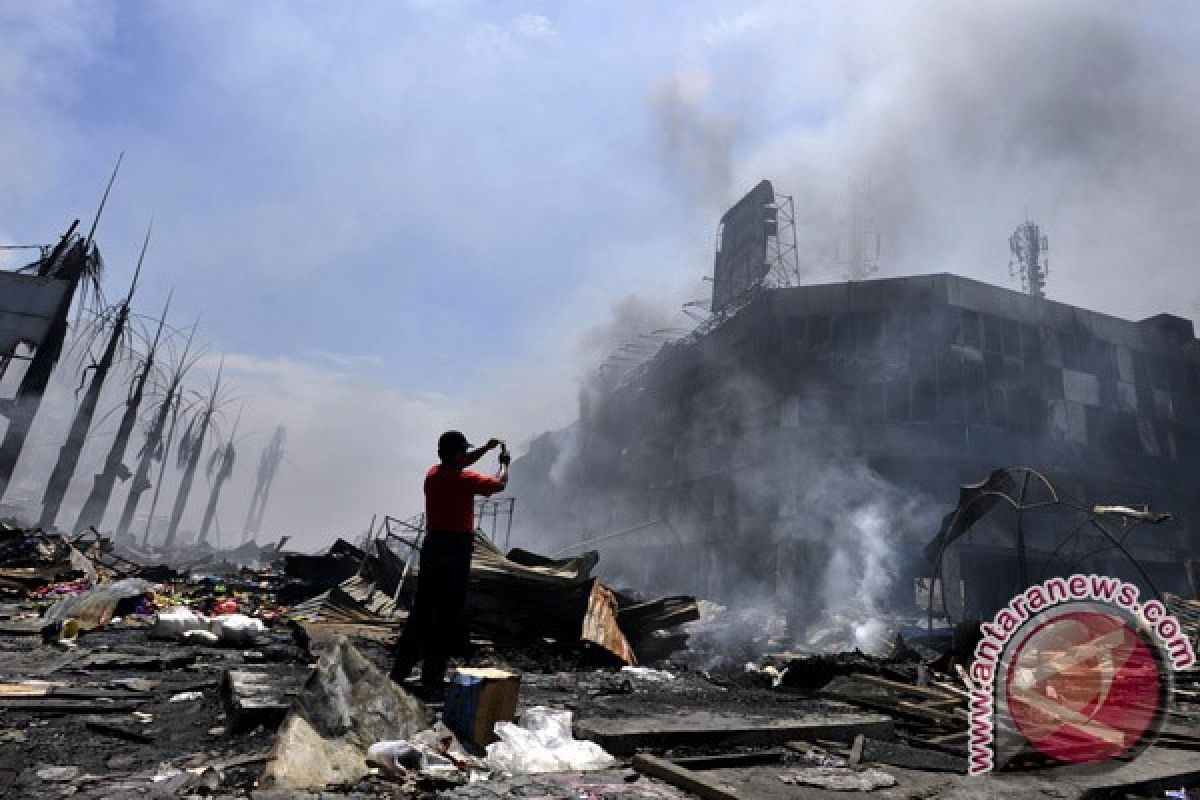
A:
(1029, 246)
(859, 251)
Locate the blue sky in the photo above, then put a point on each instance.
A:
(398, 216)
(413, 168)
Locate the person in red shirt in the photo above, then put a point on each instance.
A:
(436, 616)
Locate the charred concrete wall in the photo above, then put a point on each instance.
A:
(742, 445)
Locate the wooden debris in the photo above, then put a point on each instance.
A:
(625, 735)
(731, 760)
(683, 778)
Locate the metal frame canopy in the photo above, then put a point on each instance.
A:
(1028, 491)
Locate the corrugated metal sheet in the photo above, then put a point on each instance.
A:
(600, 624)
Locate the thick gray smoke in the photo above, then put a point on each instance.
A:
(696, 141)
(965, 118)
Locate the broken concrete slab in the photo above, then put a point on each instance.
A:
(625, 735)
(345, 706)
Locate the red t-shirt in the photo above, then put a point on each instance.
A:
(450, 497)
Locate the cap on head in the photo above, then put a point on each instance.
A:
(452, 443)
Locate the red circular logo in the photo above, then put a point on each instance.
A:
(1083, 687)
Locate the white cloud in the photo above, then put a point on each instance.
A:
(729, 29)
(534, 26)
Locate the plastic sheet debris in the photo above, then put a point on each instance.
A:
(543, 742)
(94, 609)
(840, 779)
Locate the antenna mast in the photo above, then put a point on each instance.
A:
(1028, 246)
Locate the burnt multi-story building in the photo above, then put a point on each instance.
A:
(735, 455)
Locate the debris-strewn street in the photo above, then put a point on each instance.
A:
(268, 678)
(484, 400)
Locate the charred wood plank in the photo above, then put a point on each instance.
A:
(682, 778)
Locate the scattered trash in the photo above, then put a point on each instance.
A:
(227, 606)
(64, 632)
(550, 632)
(543, 742)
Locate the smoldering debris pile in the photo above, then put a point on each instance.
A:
(262, 673)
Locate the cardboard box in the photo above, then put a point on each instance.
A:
(476, 699)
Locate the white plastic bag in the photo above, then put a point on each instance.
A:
(543, 742)
(236, 629)
(174, 622)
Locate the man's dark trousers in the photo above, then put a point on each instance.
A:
(436, 620)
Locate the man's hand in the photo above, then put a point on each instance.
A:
(504, 459)
(492, 444)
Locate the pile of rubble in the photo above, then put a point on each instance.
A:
(262, 673)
